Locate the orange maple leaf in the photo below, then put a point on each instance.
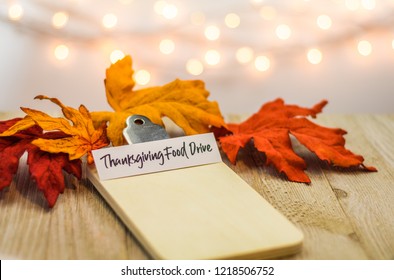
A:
(269, 129)
(81, 136)
(184, 102)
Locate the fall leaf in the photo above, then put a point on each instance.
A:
(44, 168)
(185, 102)
(81, 136)
(11, 149)
(269, 131)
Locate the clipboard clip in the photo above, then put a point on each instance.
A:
(141, 129)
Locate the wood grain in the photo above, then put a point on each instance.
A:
(344, 214)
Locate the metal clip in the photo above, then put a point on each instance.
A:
(140, 129)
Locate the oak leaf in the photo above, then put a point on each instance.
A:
(269, 131)
(184, 102)
(81, 137)
(44, 168)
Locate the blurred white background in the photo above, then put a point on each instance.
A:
(248, 52)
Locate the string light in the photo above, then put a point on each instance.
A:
(142, 77)
(59, 19)
(283, 31)
(262, 63)
(212, 57)
(194, 67)
(364, 47)
(61, 52)
(170, 11)
(116, 55)
(167, 46)
(368, 4)
(324, 22)
(15, 12)
(314, 56)
(212, 32)
(232, 20)
(244, 55)
(109, 21)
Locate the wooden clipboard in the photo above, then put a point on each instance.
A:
(202, 212)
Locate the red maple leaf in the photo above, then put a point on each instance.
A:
(44, 168)
(269, 131)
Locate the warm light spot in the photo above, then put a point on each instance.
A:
(61, 52)
(142, 77)
(324, 22)
(194, 67)
(212, 57)
(197, 18)
(314, 56)
(364, 48)
(59, 19)
(392, 43)
(283, 31)
(116, 55)
(232, 20)
(262, 63)
(268, 13)
(109, 21)
(159, 7)
(244, 55)
(368, 4)
(170, 11)
(352, 5)
(212, 32)
(15, 12)
(167, 46)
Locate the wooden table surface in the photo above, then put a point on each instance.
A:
(343, 214)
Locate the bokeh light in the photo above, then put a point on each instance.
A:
(116, 55)
(15, 12)
(109, 21)
(59, 20)
(167, 46)
(232, 20)
(364, 47)
(314, 56)
(61, 52)
(283, 31)
(244, 55)
(142, 77)
(212, 32)
(262, 63)
(324, 22)
(194, 67)
(212, 57)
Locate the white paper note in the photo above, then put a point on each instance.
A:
(156, 156)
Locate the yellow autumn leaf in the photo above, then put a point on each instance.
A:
(80, 135)
(184, 102)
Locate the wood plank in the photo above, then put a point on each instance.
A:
(367, 198)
